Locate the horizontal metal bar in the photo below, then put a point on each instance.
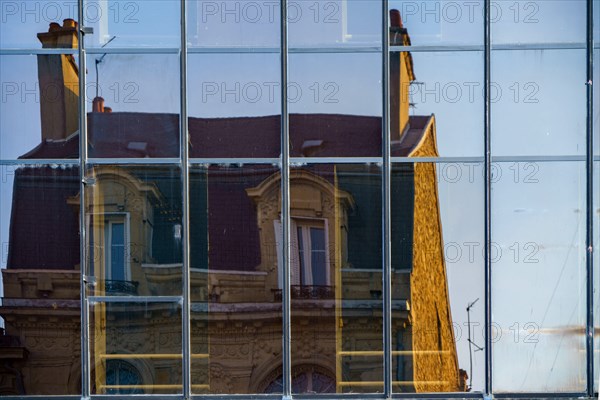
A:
(441, 395)
(300, 50)
(557, 396)
(540, 46)
(298, 161)
(241, 396)
(130, 356)
(445, 395)
(38, 397)
(135, 299)
(438, 160)
(428, 396)
(437, 48)
(332, 50)
(295, 160)
(151, 386)
(538, 158)
(136, 161)
(292, 50)
(394, 353)
(232, 50)
(133, 50)
(70, 162)
(137, 396)
(221, 161)
(394, 383)
(500, 47)
(497, 159)
(33, 52)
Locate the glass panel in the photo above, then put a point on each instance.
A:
(335, 105)
(132, 23)
(142, 203)
(334, 23)
(234, 112)
(538, 255)
(437, 277)
(538, 108)
(442, 90)
(133, 105)
(237, 23)
(442, 22)
(40, 340)
(135, 347)
(39, 117)
(524, 21)
(22, 20)
(337, 307)
(235, 279)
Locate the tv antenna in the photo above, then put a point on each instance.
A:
(98, 61)
(471, 343)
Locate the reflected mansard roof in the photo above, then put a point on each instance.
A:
(139, 135)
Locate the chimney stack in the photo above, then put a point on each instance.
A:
(98, 105)
(58, 77)
(401, 75)
(395, 19)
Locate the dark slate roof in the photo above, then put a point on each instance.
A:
(139, 135)
(43, 227)
(51, 149)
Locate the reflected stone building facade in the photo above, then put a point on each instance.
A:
(135, 254)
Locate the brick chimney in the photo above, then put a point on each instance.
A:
(401, 75)
(58, 77)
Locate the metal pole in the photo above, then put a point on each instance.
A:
(387, 217)
(590, 200)
(183, 123)
(85, 344)
(488, 200)
(285, 207)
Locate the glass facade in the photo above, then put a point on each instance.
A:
(299, 199)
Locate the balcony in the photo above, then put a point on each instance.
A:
(121, 288)
(299, 292)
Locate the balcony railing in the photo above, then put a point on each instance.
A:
(121, 288)
(300, 292)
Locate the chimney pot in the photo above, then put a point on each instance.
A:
(395, 19)
(69, 23)
(107, 110)
(54, 27)
(98, 105)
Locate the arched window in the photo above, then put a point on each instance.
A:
(122, 378)
(307, 380)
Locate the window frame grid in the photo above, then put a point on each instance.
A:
(285, 162)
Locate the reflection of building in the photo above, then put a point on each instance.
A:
(134, 268)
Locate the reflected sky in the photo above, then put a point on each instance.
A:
(540, 111)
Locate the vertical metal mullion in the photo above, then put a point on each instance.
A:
(488, 203)
(590, 201)
(285, 207)
(85, 344)
(386, 193)
(183, 128)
